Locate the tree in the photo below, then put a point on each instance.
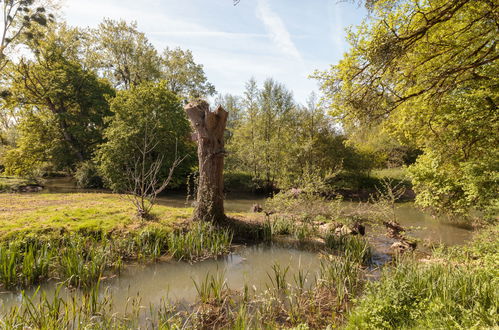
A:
(427, 73)
(148, 112)
(183, 76)
(18, 18)
(142, 180)
(231, 104)
(61, 106)
(124, 54)
(209, 129)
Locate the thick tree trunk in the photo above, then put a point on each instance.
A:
(209, 129)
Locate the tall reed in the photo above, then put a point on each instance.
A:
(203, 241)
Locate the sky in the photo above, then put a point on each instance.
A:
(286, 40)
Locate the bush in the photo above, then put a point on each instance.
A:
(87, 175)
(240, 181)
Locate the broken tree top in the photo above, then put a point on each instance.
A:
(207, 123)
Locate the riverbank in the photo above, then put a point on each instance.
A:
(16, 184)
(84, 240)
(454, 288)
(82, 237)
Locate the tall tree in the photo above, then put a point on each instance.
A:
(62, 105)
(428, 73)
(183, 76)
(124, 54)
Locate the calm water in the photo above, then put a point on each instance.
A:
(175, 280)
(246, 265)
(420, 224)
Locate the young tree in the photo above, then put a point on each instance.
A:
(209, 129)
(147, 132)
(142, 182)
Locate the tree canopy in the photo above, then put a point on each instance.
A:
(427, 72)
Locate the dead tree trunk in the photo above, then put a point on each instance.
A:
(209, 129)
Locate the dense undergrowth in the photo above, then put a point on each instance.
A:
(455, 289)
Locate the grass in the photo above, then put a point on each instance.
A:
(10, 183)
(21, 214)
(396, 173)
(457, 288)
(80, 237)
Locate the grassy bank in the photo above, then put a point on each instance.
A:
(79, 238)
(13, 184)
(457, 288)
(454, 289)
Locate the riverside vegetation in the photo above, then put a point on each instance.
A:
(459, 291)
(413, 99)
(455, 287)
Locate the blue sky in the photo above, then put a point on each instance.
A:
(283, 39)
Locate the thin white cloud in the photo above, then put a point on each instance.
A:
(336, 26)
(276, 29)
(208, 33)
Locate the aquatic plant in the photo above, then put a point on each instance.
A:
(354, 247)
(212, 288)
(342, 275)
(82, 266)
(203, 240)
(277, 278)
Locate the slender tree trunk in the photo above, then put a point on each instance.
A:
(209, 129)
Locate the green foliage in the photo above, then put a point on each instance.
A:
(457, 186)
(278, 142)
(22, 20)
(124, 54)
(429, 296)
(183, 76)
(87, 176)
(61, 106)
(148, 110)
(426, 74)
(456, 288)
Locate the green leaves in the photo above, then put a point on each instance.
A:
(427, 74)
(148, 109)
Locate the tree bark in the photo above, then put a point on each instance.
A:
(209, 129)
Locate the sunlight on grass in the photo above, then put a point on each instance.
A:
(32, 212)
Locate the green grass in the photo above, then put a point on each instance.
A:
(456, 289)
(79, 237)
(22, 214)
(11, 183)
(397, 173)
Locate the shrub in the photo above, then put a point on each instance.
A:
(87, 175)
(433, 296)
